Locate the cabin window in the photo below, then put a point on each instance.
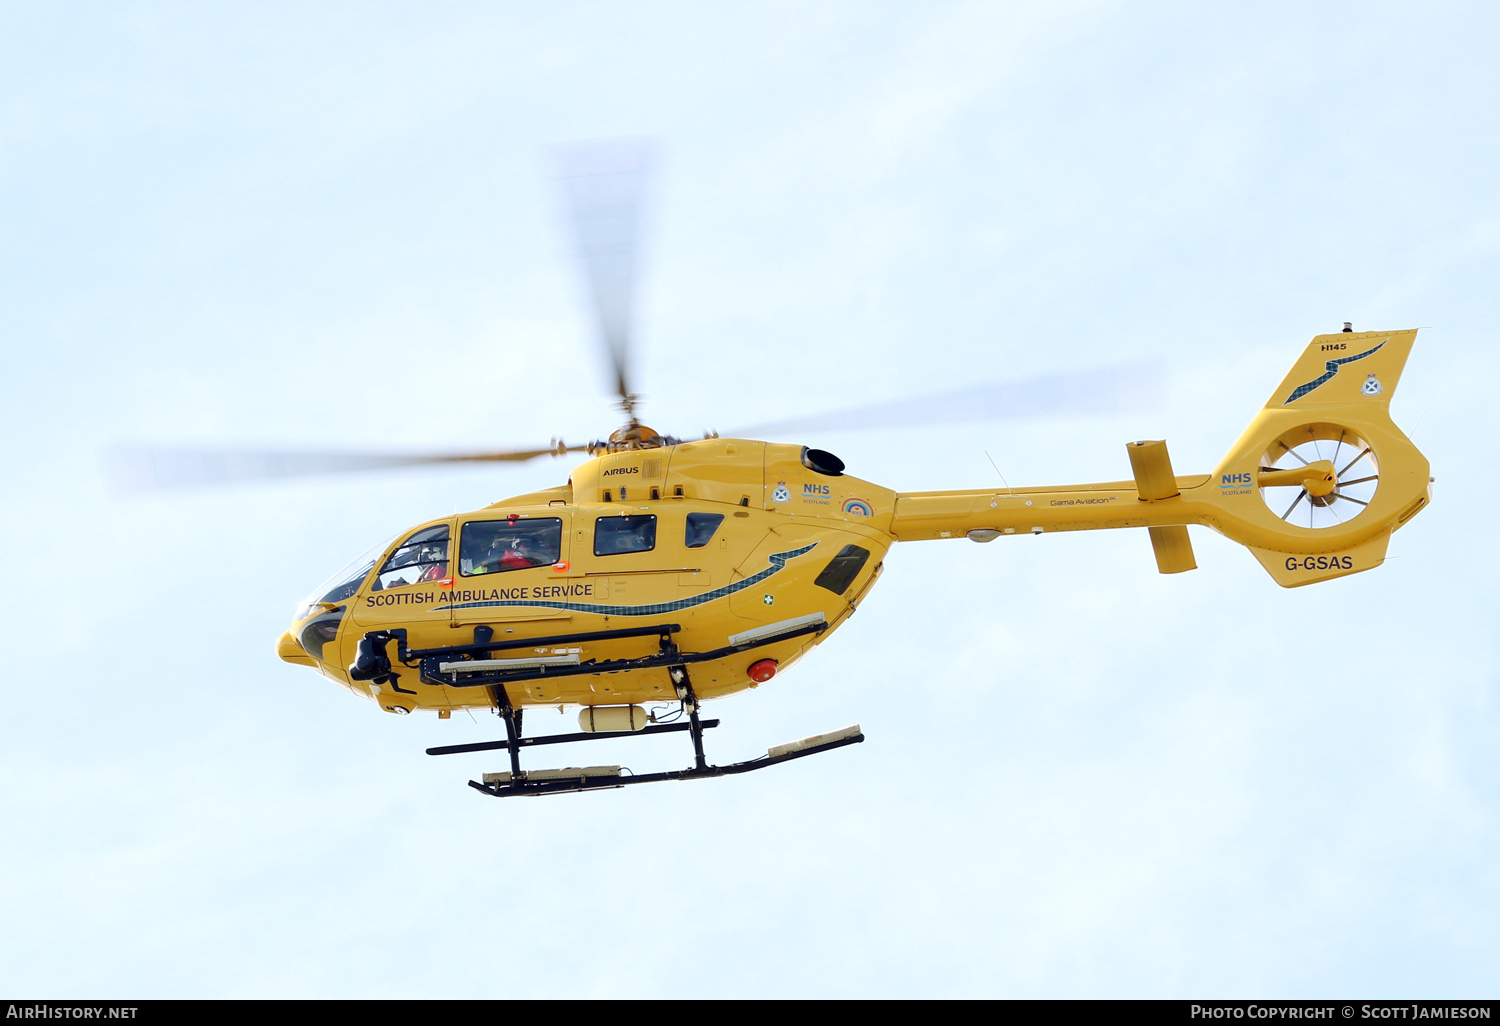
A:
(421, 558)
(495, 546)
(701, 528)
(842, 569)
(616, 535)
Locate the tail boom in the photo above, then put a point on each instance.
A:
(1313, 442)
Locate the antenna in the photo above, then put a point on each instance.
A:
(1008, 488)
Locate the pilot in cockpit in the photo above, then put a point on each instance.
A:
(435, 556)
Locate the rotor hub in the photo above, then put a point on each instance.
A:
(632, 436)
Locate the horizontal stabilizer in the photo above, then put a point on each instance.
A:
(1173, 548)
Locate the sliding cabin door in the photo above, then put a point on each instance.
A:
(513, 569)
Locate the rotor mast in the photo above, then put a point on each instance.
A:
(603, 185)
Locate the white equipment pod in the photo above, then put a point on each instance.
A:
(611, 718)
(566, 773)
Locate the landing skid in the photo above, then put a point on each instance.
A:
(594, 778)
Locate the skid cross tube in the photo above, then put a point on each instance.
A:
(684, 685)
(512, 717)
(563, 739)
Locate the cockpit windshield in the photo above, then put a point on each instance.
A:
(346, 582)
(422, 557)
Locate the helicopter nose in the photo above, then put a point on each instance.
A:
(291, 652)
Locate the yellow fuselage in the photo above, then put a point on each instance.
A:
(772, 506)
(794, 544)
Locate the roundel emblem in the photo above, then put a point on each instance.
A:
(1371, 387)
(781, 494)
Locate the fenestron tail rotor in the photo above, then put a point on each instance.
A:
(1319, 476)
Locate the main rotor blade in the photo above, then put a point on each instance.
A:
(604, 184)
(1103, 392)
(147, 469)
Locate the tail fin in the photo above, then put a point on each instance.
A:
(1335, 473)
(1327, 375)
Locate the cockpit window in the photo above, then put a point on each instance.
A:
(495, 546)
(614, 535)
(349, 587)
(346, 582)
(701, 528)
(421, 558)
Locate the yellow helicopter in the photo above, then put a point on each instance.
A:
(669, 572)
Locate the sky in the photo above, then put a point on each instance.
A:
(330, 226)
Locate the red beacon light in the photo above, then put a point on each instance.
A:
(762, 671)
